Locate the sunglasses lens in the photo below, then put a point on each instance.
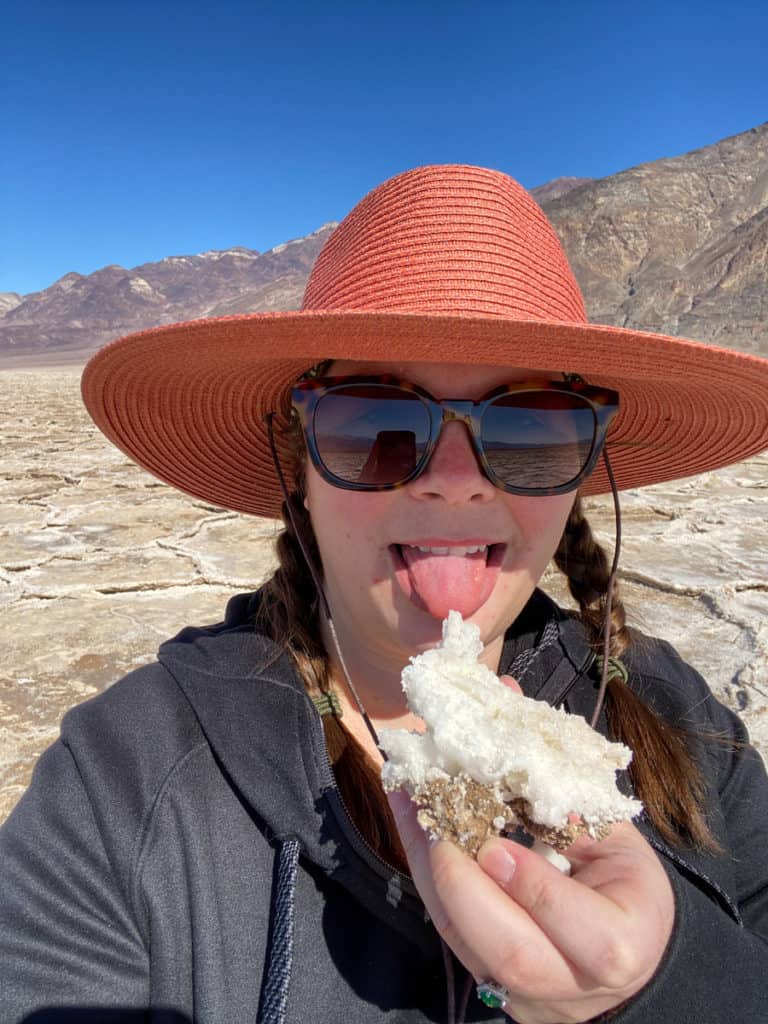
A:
(371, 434)
(538, 439)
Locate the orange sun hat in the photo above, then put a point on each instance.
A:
(449, 264)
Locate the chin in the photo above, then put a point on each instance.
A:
(415, 628)
(496, 615)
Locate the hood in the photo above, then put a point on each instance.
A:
(268, 740)
(253, 708)
(259, 722)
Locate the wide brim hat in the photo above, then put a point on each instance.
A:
(448, 264)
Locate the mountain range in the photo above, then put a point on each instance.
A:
(679, 245)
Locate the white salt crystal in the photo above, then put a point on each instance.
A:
(477, 725)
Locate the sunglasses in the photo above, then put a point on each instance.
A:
(378, 433)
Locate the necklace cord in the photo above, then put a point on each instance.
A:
(318, 584)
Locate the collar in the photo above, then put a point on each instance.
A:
(558, 665)
(267, 737)
(268, 741)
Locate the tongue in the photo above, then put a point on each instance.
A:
(443, 583)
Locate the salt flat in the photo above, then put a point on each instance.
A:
(99, 563)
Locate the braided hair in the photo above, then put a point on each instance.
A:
(289, 613)
(674, 797)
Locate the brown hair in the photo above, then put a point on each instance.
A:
(673, 798)
(289, 614)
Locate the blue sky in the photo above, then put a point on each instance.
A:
(141, 130)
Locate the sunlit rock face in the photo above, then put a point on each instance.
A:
(99, 563)
(677, 245)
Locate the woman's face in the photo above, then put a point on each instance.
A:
(395, 562)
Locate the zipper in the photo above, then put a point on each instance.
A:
(450, 989)
(350, 822)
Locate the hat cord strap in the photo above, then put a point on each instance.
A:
(318, 585)
(606, 659)
(327, 611)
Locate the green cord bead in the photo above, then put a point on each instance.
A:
(328, 704)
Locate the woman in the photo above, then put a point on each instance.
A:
(209, 838)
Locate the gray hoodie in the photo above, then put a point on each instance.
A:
(182, 854)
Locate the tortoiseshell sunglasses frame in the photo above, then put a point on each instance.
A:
(603, 402)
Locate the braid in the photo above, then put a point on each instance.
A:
(289, 613)
(289, 610)
(585, 564)
(674, 797)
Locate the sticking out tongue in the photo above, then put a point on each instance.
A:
(441, 583)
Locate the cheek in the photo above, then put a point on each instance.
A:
(542, 521)
(343, 521)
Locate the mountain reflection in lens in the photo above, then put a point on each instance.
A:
(377, 435)
(537, 438)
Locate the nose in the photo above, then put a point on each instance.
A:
(453, 473)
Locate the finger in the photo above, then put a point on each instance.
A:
(622, 935)
(420, 851)
(512, 683)
(448, 882)
(412, 835)
(491, 934)
(534, 940)
(605, 865)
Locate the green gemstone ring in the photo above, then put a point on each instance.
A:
(493, 994)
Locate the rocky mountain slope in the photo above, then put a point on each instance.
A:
(678, 245)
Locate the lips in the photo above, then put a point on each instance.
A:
(439, 576)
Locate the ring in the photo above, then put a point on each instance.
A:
(493, 994)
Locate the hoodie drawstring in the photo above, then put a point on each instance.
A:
(449, 982)
(279, 958)
(456, 1015)
(277, 976)
(469, 987)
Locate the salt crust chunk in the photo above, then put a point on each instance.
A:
(536, 764)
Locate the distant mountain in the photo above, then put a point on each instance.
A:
(8, 301)
(79, 313)
(679, 245)
(556, 188)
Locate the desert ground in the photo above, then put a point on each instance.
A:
(99, 563)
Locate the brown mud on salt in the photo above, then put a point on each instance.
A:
(490, 759)
(465, 813)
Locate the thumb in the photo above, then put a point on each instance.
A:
(512, 683)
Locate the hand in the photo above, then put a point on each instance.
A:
(567, 948)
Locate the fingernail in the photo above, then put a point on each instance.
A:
(498, 862)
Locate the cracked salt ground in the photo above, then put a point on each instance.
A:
(99, 563)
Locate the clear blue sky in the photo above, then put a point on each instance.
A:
(133, 131)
